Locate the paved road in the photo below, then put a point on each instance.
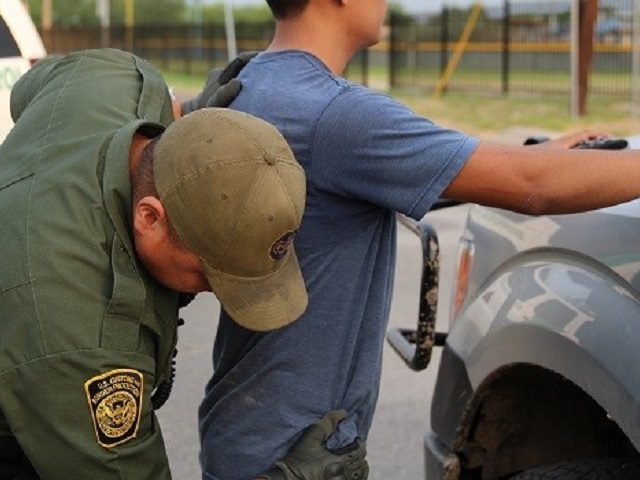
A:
(395, 442)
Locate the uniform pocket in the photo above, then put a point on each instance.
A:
(121, 323)
(14, 211)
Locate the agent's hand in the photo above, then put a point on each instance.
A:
(221, 87)
(185, 299)
(309, 458)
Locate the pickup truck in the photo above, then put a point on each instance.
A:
(539, 376)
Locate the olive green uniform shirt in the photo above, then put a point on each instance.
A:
(85, 333)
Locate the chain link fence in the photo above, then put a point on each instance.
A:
(517, 47)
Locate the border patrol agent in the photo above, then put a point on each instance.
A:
(92, 262)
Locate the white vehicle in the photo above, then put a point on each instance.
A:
(20, 47)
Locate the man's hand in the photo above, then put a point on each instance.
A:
(572, 140)
(309, 458)
(221, 87)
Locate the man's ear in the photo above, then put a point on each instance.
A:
(149, 216)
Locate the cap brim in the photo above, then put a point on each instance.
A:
(263, 303)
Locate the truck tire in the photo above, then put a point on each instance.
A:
(596, 469)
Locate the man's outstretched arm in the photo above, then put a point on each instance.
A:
(549, 178)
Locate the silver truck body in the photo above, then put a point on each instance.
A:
(542, 363)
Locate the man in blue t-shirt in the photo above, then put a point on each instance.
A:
(366, 157)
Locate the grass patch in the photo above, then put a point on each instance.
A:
(184, 83)
(483, 115)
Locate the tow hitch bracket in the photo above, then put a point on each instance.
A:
(415, 346)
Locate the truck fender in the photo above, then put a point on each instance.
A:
(555, 310)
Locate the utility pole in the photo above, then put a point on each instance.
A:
(588, 19)
(230, 28)
(197, 23)
(584, 14)
(47, 22)
(575, 55)
(129, 22)
(47, 14)
(103, 11)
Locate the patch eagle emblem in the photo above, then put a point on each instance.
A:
(115, 402)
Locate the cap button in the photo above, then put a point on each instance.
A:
(270, 159)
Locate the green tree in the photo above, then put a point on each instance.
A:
(396, 8)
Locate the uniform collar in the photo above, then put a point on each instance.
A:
(116, 185)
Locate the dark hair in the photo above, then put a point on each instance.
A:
(144, 185)
(286, 8)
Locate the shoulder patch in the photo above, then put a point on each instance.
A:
(115, 402)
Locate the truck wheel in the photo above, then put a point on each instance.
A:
(596, 469)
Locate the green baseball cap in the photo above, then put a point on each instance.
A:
(234, 193)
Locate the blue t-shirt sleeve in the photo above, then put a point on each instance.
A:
(368, 146)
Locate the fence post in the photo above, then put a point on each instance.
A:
(166, 53)
(186, 33)
(208, 45)
(583, 18)
(129, 22)
(588, 18)
(392, 49)
(505, 47)
(635, 69)
(444, 40)
(214, 53)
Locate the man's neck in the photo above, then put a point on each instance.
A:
(324, 39)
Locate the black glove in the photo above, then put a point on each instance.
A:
(221, 87)
(185, 299)
(309, 458)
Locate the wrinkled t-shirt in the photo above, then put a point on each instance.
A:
(366, 157)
